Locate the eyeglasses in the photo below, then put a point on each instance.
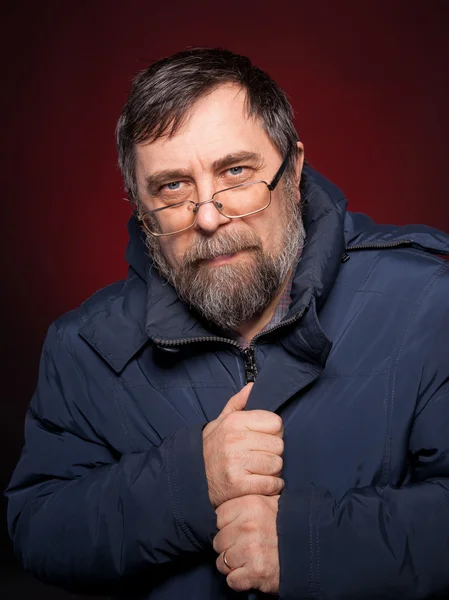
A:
(235, 202)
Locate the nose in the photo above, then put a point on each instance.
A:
(209, 219)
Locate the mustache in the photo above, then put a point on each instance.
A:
(205, 248)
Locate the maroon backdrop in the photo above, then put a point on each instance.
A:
(368, 80)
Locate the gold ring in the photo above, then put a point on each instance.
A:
(226, 562)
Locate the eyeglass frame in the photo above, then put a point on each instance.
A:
(197, 205)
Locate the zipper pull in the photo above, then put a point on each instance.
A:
(250, 365)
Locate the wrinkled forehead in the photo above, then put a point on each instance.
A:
(217, 124)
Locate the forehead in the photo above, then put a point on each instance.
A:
(216, 125)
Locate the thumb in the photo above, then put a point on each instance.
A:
(238, 401)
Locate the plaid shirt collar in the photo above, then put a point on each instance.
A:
(279, 313)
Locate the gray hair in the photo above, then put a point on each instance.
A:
(162, 95)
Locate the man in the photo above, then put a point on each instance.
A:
(263, 405)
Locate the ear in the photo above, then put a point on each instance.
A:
(299, 161)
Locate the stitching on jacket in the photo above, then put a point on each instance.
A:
(381, 293)
(124, 420)
(385, 460)
(317, 536)
(190, 385)
(170, 471)
(334, 373)
(76, 367)
(182, 524)
(312, 494)
(389, 406)
(72, 360)
(170, 477)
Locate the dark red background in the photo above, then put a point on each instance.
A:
(368, 80)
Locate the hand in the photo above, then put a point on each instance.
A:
(242, 451)
(248, 534)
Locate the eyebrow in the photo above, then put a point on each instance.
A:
(155, 180)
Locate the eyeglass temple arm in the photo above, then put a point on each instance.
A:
(280, 172)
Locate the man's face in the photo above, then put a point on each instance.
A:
(220, 255)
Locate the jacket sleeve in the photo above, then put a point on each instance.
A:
(83, 517)
(379, 542)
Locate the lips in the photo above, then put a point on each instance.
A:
(196, 257)
(222, 256)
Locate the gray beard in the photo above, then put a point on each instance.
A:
(230, 294)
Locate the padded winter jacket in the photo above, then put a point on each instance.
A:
(110, 494)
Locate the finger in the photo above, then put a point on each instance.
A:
(225, 538)
(263, 463)
(239, 573)
(240, 581)
(238, 401)
(264, 442)
(221, 564)
(263, 421)
(232, 558)
(263, 485)
(230, 510)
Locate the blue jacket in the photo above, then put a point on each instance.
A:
(110, 494)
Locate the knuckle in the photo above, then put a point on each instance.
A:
(232, 477)
(263, 487)
(278, 445)
(233, 419)
(275, 464)
(233, 436)
(248, 526)
(219, 565)
(233, 459)
(238, 583)
(274, 485)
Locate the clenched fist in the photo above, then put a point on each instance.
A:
(242, 451)
(248, 536)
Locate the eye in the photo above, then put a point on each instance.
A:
(236, 170)
(173, 185)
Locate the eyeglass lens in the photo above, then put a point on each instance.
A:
(234, 202)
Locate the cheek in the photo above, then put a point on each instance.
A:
(168, 248)
(268, 226)
(174, 248)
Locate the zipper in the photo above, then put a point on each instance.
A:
(346, 256)
(194, 340)
(250, 365)
(391, 245)
(247, 353)
(380, 246)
